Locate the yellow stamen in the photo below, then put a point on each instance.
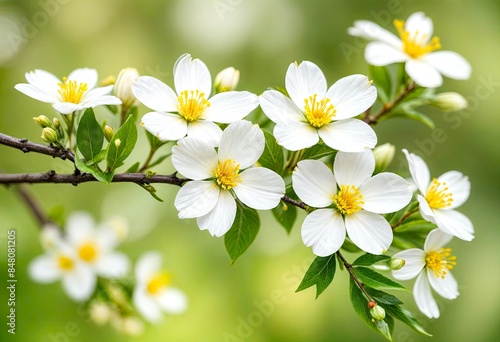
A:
(88, 252)
(192, 104)
(348, 200)
(71, 91)
(318, 112)
(416, 44)
(65, 263)
(227, 174)
(440, 262)
(438, 196)
(157, 283)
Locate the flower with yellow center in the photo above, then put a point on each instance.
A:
(220, 176)
(432, 267)
(190, 109)
(350, 201)
(439, 198)
(73, 93)
(153, 293)
(416, 46)
(312, 111)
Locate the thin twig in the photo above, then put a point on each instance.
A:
(28, 146)
(349, 269)
(299, 204)
(32, 204)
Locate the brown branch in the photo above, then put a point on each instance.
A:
(33, 206)
(296, 203)
(349, 269)
(28, 146)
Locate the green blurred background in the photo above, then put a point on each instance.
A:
(260, 38)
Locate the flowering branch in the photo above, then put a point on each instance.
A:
(28, 146)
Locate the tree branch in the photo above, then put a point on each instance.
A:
(28, 146)
(33, 206)
(349, 269)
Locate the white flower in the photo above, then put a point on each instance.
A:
(313, 112)
(62, 263)
(123, 86)
(415, 46)
(432, 266)
(94, 246)
(217, 176)
(152, 292)
(190, 110)
(438, 198)
(358, 201)
(75, 92)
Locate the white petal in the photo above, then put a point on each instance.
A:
(44, 81)
(84, 75)
(67, 107)
(80, 227)
(351, 95)
(420, 27)
(279, 108)
(260, 188)
(165, 126)
(349, 135)
(95, 93)
(353, 168)
(454, 223)
(324, 230)
(314, 183)
(423, 297)
(101, 101)
(154, 94)
(419, 171)
(414, 263)
(436, 239)
(371, 31)
(37, 94)
(425, 210)
(369, 231)
(146, 267)
(450, 64)
(230, 106)
(295, 135)
(242, 142)
(423, 73)
(458, 185)
(446, 287)
(220, 219)
(173, 301)
(194, 159)
(114, 265)
(192, 74)
(80, 283)
(146, 305)
(385, 193)
(304, 80)
(196, 198)
(44, 269)
(381, 54)
(205, 131)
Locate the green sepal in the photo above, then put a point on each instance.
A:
(320, 273)
(243, 231)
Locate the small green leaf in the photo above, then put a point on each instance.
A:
(134, 168)
(384, 329)
(160, 159)
(350, 247)
(243, 231)
(382, 297)
(122, 144)
(405, 316)
(93, 170)
(317, 151)
(152, 191)
(154, 142)
(286, 215)
(89, 136)
(370, 259)
(272, 157)
(382, 79)
(320, 273)
(374, 279)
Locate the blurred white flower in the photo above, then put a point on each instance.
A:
(226, 80)
(153, 292)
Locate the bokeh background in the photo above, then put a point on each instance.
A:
(260, 38)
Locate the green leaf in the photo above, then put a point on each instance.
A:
(89, 136)
(243, 231)
(360, 305)
(94, 170)
(405, 316)
(160, 159)
(317, 151)
(272, 157)
(152, 191)
(384, 329)
(350, 247)
(382, 297)
(410, 114)
(415, 225)
(134, 168)
(286, 215)
(382, 79)
(154, 142)
(320, 273)
(374, 279)
(370, 259)
(127, 137)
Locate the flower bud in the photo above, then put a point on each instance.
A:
(449, 101)
(118, 142)
(123, 87)
(100, 312)
(132, 326)
(49, 135)
(56, 123)
(226, 80)
(377, 312)
(108, 133)
(42, 121)
(384, 154)
(396, 263)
